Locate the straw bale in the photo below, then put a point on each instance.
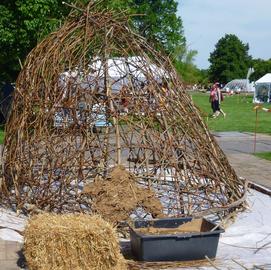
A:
(70, 241)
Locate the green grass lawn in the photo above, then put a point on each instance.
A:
(2, 136)
(264, 155)
(240, 114)
(239, 110)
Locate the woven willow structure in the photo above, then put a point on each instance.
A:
(94, 95)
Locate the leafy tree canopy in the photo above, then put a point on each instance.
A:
(261, 67)
(156, 20)
(230, 59)
(24, 22)
(184, 64)
(160, 23)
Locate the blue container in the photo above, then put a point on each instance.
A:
(175, 247)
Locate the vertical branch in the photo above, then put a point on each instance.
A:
(107, 110)
(110, 107)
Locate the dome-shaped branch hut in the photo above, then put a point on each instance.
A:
(94, 95)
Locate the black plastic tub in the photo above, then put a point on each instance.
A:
(174, 247)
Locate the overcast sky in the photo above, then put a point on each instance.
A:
(206, 21)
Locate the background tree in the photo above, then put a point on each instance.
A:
(261, 67)
(22, 24)
(230, 59)
(160, 24)
(7, 42)
(157, 21)
(25, 22)
(184, 63)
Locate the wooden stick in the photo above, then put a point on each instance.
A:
(255, 131)
(240, 264)
(212, 264)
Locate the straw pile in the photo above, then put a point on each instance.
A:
(108, 196)
(63, 242)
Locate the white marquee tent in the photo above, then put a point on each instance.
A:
(263, 89)
(120, 71)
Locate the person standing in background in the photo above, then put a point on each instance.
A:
(215, 100)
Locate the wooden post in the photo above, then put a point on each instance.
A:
(255, 131)
(110, 110)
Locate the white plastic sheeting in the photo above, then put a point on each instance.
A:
(246, 241)
(11, 225)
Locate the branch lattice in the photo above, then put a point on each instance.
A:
(94, 95)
